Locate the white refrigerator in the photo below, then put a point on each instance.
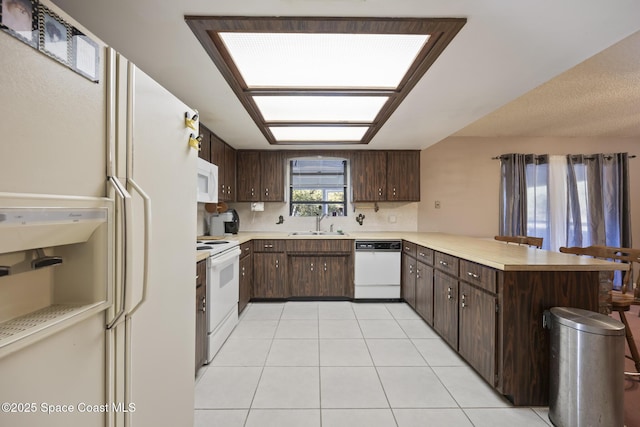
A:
(97, 318)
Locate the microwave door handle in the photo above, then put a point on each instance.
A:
(125, 270)
(147, 244)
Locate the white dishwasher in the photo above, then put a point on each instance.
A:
(377, 269)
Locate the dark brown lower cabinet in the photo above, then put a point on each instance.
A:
(201, 315)
(270, 275)
(408, 280)
(445, 307)
(477, 336)
(246, 276)
(424, 292)
(319, 276)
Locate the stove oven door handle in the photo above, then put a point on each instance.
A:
(147, 244)
(224, 258)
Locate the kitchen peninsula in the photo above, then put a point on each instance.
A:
(485, 298)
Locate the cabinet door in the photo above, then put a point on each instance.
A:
(205, 144)
(304, 276)
(478, 330)
(424, 292)
(336, 279)
(445, 307)
(272, 176)
(403, 176)
(201, 315)
(369, 176)
(248, 176)
(408, 280)
(246, 276)
(218, 158)
(230, 172)
(269, 275)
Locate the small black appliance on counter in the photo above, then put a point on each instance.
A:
(232, 226)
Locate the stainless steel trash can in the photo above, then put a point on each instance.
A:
(586, 369)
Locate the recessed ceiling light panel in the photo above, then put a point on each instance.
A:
(318, 133)
(313, 61)
(341, 109)
(315, 80)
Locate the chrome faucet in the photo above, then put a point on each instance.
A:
(318, 219)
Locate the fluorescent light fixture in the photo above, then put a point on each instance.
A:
(311, 109)
(318, 133)
(311, 60)
(313, 80)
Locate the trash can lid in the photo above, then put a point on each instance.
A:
(587, 321)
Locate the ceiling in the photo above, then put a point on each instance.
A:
(494, 79)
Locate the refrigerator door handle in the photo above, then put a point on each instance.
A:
(126, 270)
(147, 243)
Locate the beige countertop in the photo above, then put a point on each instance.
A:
(499, 255)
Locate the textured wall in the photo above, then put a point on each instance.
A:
(460, 173)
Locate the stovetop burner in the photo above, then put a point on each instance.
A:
(215, 246)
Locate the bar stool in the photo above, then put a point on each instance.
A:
(522, 240)
(621, 301)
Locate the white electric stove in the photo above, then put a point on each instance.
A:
(223, 267)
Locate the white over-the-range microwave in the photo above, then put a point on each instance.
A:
(207, 182)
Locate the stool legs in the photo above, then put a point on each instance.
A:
(632, 344)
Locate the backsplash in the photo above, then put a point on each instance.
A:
(390, 217)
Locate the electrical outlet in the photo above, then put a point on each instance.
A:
(437, 204)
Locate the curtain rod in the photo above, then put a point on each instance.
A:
(632, 156)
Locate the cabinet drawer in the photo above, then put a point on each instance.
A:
(246, 249)
(409, 248)
(314, 246)
(479, 275)
(424, 255)
(447, 263)
(268, 245)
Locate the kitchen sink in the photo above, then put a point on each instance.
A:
(318, 233)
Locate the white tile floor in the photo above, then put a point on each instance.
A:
(342, 364)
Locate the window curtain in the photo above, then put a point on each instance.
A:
(574, 200)
(513, 192)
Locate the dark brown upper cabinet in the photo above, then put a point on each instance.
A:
(386, 176)
(260, 176)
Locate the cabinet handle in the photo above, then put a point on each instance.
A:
(379, 191)
(464, 304)
(252, 192)
(417, 273)
(444, 264)
(277, 263)
(470, 274)
(311, 266)
(268, 246)
(325, 266)
(204, 305)
(449, 293)
(422, 254)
